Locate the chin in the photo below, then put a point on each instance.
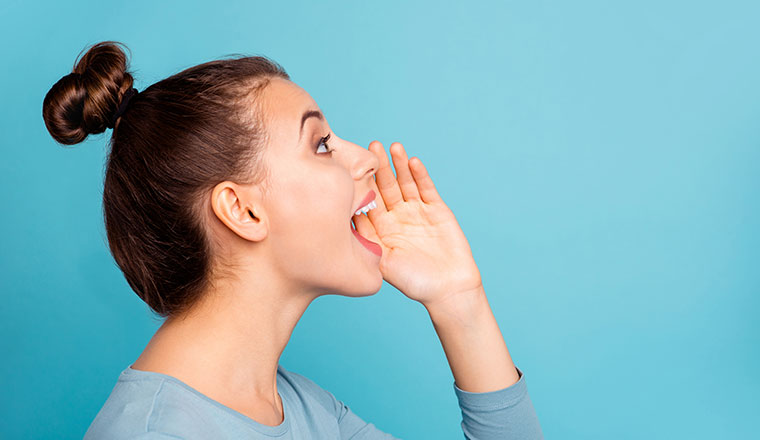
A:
(365, 288)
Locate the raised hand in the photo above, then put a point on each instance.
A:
(425, 253)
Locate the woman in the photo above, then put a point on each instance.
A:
(230, 206)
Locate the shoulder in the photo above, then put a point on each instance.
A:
(152, 435)
(308, 390)
(141, 404)
(348, 424)
(124, 413)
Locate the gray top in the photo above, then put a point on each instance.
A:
(150, 405)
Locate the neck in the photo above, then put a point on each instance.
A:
(229, 345)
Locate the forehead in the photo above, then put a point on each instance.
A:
(283, 103)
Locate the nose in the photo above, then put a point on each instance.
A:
(363, 162)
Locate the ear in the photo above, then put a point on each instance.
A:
(240, 209)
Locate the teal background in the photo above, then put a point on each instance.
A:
(601, 157)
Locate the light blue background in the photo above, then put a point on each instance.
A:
(601, 157)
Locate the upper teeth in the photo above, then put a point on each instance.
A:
(366, 208)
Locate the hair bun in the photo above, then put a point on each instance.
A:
(84, 101)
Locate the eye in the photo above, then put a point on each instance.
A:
(323, 141)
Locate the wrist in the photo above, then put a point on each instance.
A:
(462, 307)
(472, 342)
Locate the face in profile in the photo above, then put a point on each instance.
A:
(315, 188)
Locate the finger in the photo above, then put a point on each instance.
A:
(424, 182)
(373, 213)
(404, 176)
(386, 181)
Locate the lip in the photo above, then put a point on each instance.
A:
(368, 198)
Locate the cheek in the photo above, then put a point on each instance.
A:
(312, 217)
(310, 223)
(313, 245)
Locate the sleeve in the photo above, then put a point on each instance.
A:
(502, 414)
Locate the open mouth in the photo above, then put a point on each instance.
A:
(369, 245)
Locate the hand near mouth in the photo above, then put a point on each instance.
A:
(426, 256)
(425, 253)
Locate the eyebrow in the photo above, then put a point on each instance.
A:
(309, 114)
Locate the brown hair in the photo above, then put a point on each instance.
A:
(175, 141)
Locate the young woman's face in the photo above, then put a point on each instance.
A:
(313, 196)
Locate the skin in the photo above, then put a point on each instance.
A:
(292, 243)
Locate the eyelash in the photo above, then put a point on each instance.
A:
(324, 141)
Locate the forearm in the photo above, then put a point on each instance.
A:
(473, 343)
